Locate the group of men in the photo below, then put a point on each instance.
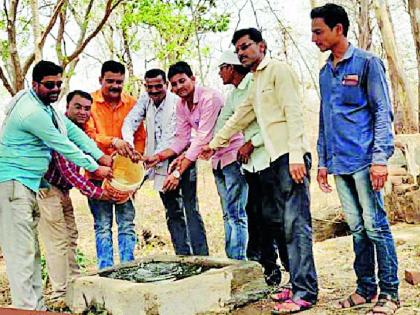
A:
(259, 154)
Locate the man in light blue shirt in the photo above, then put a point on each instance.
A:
(354, 144)
(31, 129)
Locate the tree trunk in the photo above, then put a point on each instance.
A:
(36, 30)
(414, 11)
(363, 21)
(320, 56)
(404, 108)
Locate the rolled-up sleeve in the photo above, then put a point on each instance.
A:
(378, 96)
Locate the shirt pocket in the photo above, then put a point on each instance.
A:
(352, 95)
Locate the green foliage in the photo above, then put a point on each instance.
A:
(176, 23)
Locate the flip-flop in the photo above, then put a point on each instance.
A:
(385, 305)
(352, 303)
(291, 306)
(283, 295)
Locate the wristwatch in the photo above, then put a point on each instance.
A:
(176, 174)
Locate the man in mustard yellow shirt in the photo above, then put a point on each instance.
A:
(274, 102)
(109, 109)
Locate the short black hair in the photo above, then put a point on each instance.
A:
(180, 67)
(241, 69)
(112, 66)
(154, 73)
(252, 32)
(81, 93)
(332, 14)
(45, 68)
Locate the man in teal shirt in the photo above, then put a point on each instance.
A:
(31, 129)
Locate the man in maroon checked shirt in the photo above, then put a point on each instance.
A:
(57, 224)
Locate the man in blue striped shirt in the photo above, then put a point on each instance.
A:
(354, 144)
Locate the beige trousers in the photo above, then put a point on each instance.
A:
(19, 215)
(58, 231)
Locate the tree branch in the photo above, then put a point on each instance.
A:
(109, 8)
(47, 30)
(6, 82)
(295, 44)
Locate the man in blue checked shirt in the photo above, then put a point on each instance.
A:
(354, 144)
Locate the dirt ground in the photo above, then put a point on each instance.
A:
(334, 257)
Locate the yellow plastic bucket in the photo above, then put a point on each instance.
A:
(127, 175)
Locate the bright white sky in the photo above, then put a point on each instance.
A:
(294, 15)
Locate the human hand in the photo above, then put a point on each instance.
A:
(105, 160)
(103, 172)
(322, 179)
(244, 152)
(176, 164)
(111, 194)
(378, 176)
(137, 157)
(170, 183)
(298, 172)
(151, 161)
(43, 193)
(206, 152)
(124, 148)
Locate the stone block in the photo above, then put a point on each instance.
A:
(412, 277)
(205, 292)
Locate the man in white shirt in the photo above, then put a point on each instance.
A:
(158, 108)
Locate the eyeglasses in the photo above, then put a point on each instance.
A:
(51, 84)
(243, 47)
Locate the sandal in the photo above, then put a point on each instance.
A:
(291, 306)
(385, 305)
(350, 301)
(283, 295)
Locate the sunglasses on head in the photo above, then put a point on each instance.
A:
(51, 84)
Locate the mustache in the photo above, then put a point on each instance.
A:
(154, 93)
(115, 90)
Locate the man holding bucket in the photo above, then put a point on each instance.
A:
(109, 109)
(196, 115)
(57, 225)
(157, 108)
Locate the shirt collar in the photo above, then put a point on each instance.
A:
(264, 63)
(243, 85)
(347, 55)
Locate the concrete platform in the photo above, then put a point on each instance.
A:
(209, 291)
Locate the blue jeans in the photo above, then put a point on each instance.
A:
(103, 218)
(233, 192)
(287, 216)
(183, 218)
(364, 211)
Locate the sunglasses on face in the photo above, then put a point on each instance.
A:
(243, 47)
(51, 84)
